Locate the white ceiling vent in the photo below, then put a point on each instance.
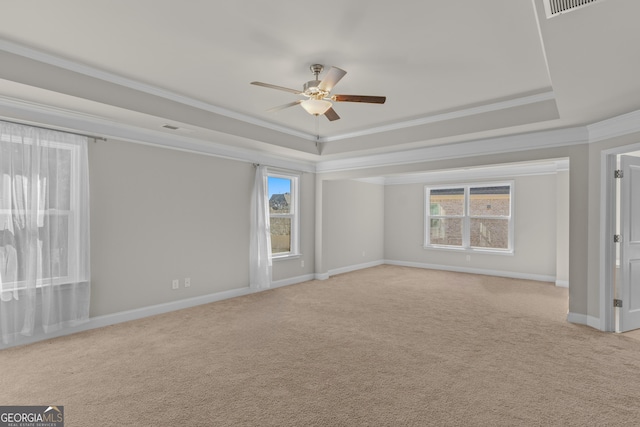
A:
(557, 7)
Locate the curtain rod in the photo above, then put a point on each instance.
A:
(278, 168)
(100, 138)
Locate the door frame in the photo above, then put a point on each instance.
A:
(608, 164)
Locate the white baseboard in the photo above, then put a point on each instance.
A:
(355, 267)
(482, 271)
(125, 316)
(139, 313)
(585, 319)
(347, 269)
(562, 283)
(292, 281)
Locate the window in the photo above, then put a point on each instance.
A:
(45, 201)
(470, 217)
(283, 214)
(44, 231)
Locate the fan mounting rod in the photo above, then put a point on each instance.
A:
(316, 69)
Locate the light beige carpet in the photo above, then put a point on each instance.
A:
(385, 346)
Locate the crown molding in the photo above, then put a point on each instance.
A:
(621, 125)
(86, 70)
(377, 180)
(89, 71)
(465, 112)
(62, 119)
(481, 147)
(73, 121)
(624, 124)
(482, 173)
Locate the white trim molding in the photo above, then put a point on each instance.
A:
(73, 121)
(355, 267)
(617, 126)
(584, 319)
(95, 73)
(544, 167)
(481, 271)
(140, 313)
(292, 281)
(457, 114)
(624, 124)
(482, 147)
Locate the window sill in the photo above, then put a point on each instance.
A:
(41, 283)
(285, 257)
(20, 291)
(506, 252)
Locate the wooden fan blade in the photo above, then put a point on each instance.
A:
(359, 98)
(270, 86)
(282, 107)
(331, 114)
(333, 76)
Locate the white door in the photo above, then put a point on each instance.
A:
(629, 289)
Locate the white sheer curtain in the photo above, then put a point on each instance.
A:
(44, 231)
(260, 247)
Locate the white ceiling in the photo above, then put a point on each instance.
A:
(451, 71)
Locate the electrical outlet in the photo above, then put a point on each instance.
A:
(468, 258)
(175, 284)
(302, 263)
(187, 282)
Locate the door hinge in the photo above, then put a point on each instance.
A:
(617, 303)
(617, 238)
(618, 173)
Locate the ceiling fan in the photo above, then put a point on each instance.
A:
(318, 93)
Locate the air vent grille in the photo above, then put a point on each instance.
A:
(557, 7)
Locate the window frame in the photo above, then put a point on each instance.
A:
(71, 214)
(293, 215)
(467, 217)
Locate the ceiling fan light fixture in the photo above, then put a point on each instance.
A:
(319, 95)
(316, 107)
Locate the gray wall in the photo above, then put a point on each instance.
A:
(535, 218)
(159, 214)
(353, 217)
(583, 289)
